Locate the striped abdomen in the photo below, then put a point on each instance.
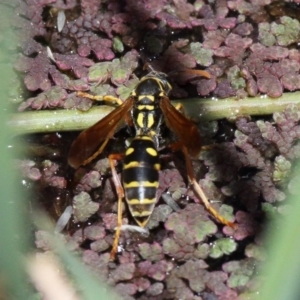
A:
(140, 178)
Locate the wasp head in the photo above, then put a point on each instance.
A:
(155, 84)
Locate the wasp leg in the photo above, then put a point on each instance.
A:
(199, 192)
(209, 147)
(106, 98)
(179, 107)
(120, 192)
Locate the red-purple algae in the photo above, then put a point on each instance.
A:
(223, 162)
(177, 288)
(152, 252)
(98, 264)
(170, 180)
(290, 81)
(262, 181)
(110, 221)
(269, 74)
(157, 271)
(269, 191)
(265, 36)
(285, 133)
(253, 155)
(83, 207)
(159, 214)
(38, 78)
(141, 283)
(126, 257)
(235, 78)
(214, 39)
(203, 56)
(118, 72)
(256, 251)
(100, 47)
(211, 190)
(243, 29)
(78, 65)
(191, 225)
(255, 137)
(54, 97)
(212, 20)
(90, 181)
(123, 272)
(176, 251)
(234, 49)
(101, 72)
(183, 9)
(270, 85)
(240, 272)
(28, 169)
(195, 272)
(246, 226)
(182, 15)
(126, 289)
(102, 166)
(80, 103)
(223, 246)
(155, 289)
(175, 59)
(206, 86)
(31, 22)
(173, 21)
(49, 176)
(189, 229)
(36, 70)
(94, 232)
(100, 246)
(110, 196)
(217, 283)
(201, 251)
(287, 32)
(144, 11)
(254, 9)
(224, 89)
(75, 240)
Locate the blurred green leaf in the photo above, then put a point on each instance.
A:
(282, 267)
(14, 227)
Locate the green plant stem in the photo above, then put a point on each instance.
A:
(196, 109)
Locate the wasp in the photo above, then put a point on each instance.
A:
(146, 109)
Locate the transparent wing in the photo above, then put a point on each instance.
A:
(91, 142)
(186, 130)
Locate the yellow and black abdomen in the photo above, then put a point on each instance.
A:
(140, 177)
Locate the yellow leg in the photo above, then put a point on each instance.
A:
(179, 107)
(106, 98)
(120, 191)
(199, 191)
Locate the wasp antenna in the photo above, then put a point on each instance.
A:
(196, 72)
(147, 66)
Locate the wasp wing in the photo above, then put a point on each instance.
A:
(91, 142)
(186, 131)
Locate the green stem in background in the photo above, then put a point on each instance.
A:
(197, 109)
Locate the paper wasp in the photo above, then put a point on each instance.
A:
(147, 107)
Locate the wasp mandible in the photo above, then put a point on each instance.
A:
(146, 108)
